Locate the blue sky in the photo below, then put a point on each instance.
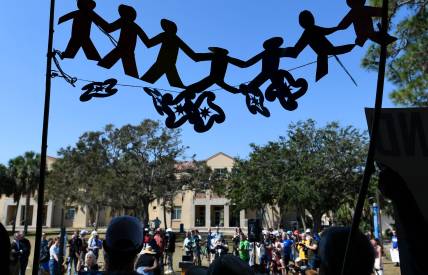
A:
(241, 26)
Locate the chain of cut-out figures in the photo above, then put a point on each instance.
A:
(187, 105)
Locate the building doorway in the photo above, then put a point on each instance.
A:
(200, 215)
(217, 215)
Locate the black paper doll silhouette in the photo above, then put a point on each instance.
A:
(81, 30)
(167, 57)
(129, 31)
(361, 17)
(219, 61)
(315, 37)
(271, 57)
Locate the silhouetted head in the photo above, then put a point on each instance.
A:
(86, 4)
(356, 3)
(273, 43)
(332, 248)
(168, 26)
(219, 51)
(123, 241)
(306, 19)
(127, 12)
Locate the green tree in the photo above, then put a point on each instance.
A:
(25, 171)
(7, 184)
(310, 169)
(124, 168)
(407, 66)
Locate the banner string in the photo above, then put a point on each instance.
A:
(72, 80)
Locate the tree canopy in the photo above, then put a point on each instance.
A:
(124, 168)
(309, 169)
(407, 66)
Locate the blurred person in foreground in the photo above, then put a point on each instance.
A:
(332, 250)
(4, 250)
(123, 241)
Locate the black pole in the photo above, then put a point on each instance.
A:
(41, 190)
(369, 169)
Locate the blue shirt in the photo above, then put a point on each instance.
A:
(287, 244)
(394, 241)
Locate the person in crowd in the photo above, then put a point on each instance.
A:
(5, 249)
(312, 251)
(54, 268)
(394, 249)
(160, 242)
(15, 255)
(147, 262)
(26, 250)
(94, 243)
(83, 248)
(197, 239)
(226, 264)
(265, 252)
(302, 249)
(44, 255)
(146, 236)
(188, 244)
(75, 246)
(169, 250)
(378, 264)
(123, 241)
(332, 248)
(21, 248)
(221, 247)
(210, 245)
(90, 263)
(287, 245)
(244, 248)
(277, 266)
(156, 223)
(236, 241)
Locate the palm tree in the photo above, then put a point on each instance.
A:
(7, 184)
(25, 172)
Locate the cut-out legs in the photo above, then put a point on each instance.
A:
(156, 72)
(322, 60)
(128, 61)
(88, 47)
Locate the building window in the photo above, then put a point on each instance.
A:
(176, 213)
(28, 213)
(70, 213)
(200, 215)
(220, 171)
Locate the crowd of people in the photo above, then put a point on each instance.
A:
(150, 251)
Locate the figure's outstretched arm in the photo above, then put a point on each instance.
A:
(142, 35)
(299, 47)
(203, 57)
(187, 50)
(286, 52)
(67, 17)
(113, 26)
(346, 21)
(237, 62)
(245, 64)
(151, 42)
(98, 20)
(326, 31)
(253, 60)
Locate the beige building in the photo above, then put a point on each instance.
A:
(191, 210)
